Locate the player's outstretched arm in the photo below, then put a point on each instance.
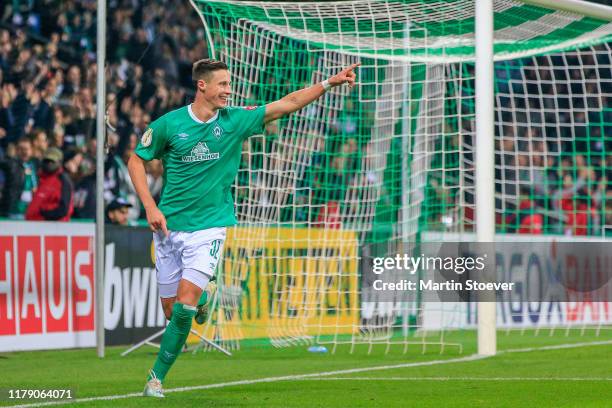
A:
(298, 99)
(155, 218)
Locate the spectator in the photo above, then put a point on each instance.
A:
(85, 192)
(117, 212)
(40, 143)
(118, 183)
(73, 82)
(155, 171)
(53, 200)
(8, 95)
(332, 186)
(347, 122)
(72, 164)
(580, 216)
(607, 216)
(20, 180)
(531, 222)
(329, 216)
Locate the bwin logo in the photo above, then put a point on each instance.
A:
(217, 131)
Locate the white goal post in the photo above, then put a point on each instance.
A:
(485, 152)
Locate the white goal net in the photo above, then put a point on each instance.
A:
(372, 172)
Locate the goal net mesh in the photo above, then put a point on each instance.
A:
(368, 172)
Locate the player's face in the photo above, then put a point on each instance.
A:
(217, 89)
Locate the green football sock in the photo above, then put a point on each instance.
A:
(203, 298)
(173, 339)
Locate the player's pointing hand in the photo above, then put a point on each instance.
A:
(346, 76)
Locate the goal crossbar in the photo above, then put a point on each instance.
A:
(586, 8)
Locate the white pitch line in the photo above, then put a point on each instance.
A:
(456, 379)
(260, 380)
(558, 346)
(314, 375)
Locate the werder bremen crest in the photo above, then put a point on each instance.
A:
(217, 131)
(200, 152)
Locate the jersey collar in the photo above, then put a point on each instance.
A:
(195, 118)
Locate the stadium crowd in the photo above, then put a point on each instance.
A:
(47, 127)
(553, 173)
(48, 79)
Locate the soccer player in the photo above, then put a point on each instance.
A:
(200, 147)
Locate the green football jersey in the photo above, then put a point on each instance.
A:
(200, 161)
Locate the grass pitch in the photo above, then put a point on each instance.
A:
(292, 377)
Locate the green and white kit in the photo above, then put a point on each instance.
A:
(200, 162)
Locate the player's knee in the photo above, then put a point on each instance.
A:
(167, 305)
(168, 313)
(190, 299)
(191, 286)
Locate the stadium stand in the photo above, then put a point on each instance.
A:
(47, 80)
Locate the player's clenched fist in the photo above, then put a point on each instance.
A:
(156, 220)
(346, 76)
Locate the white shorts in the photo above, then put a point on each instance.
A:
(187, 255)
